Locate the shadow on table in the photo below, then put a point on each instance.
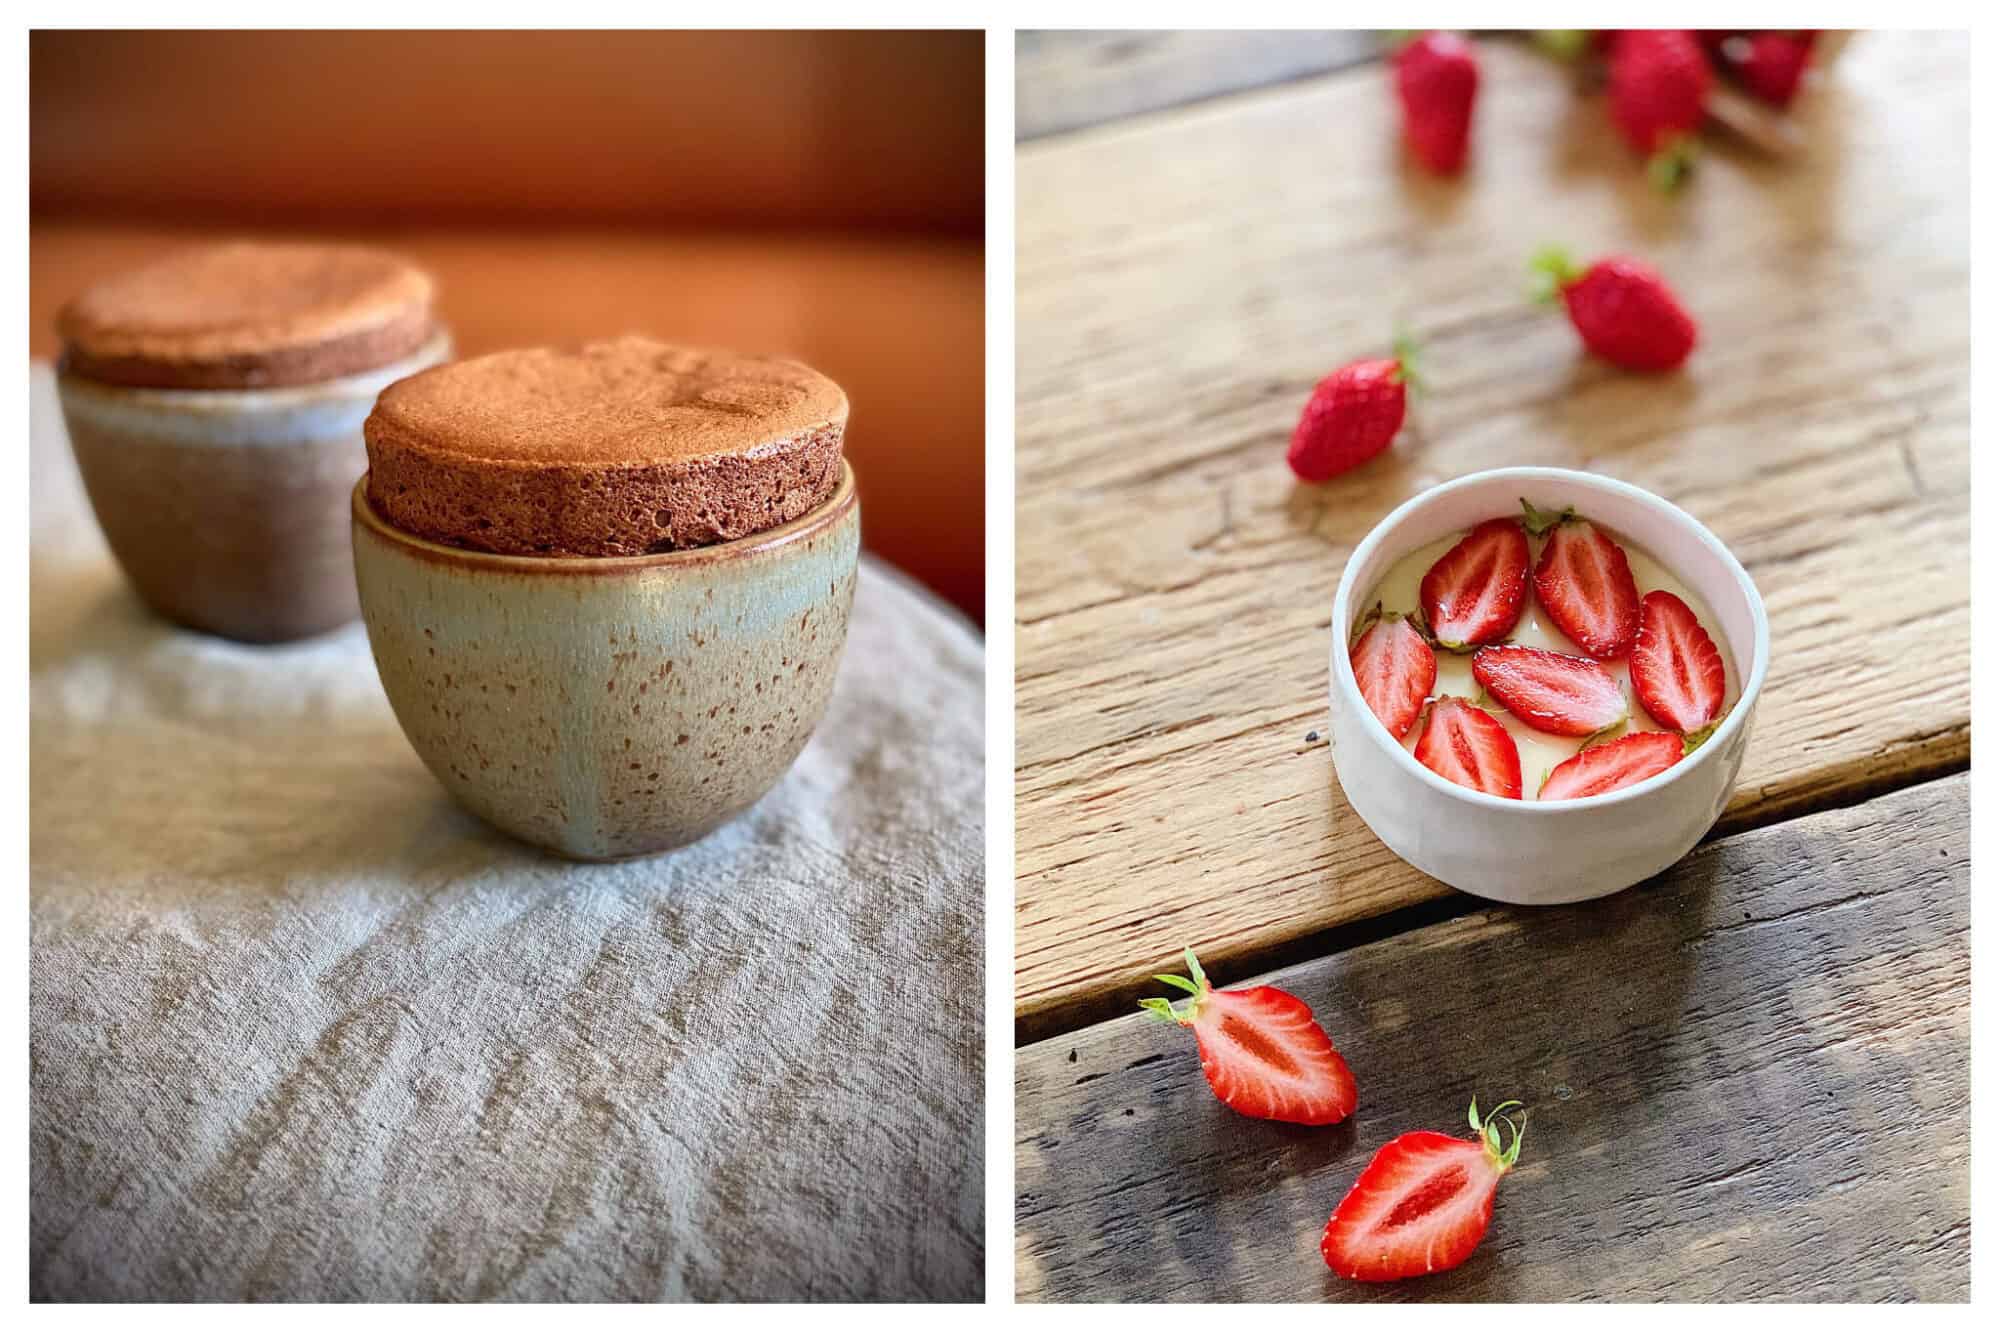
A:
(1598, 409)
(1569, 1009)
(1433, 200)
(1148, 1185)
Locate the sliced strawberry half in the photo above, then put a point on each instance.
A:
(1395, 669)
(1475, 591)
(1585, 584)
(1676, 667)
(1423, 1202)
(1263, 1053)
(1467, 745)
(1552, 692)
(1620, 763)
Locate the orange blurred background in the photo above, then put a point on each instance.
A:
(820, 195)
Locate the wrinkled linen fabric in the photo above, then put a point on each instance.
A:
(300, 1029)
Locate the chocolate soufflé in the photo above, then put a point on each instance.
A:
(248, 315)
(618, 448)
(214, 403)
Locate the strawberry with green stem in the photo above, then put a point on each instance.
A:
(1598, 769)
(1465, 744)
(1394, 668)
(1621, 308)
(1676, 668)
(1658, 83)
(1353, 414)
(1261, 1050)
(1474, 592)
(1551, 692)
(1424, 1201)
(1584, 582)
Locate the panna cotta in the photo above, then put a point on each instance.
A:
(1499, 654)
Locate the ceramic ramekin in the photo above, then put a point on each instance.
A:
(610, 707)
(1545, 851)
(227, 508)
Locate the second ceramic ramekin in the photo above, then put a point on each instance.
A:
(227, 508)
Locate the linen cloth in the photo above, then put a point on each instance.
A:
(301, 1029)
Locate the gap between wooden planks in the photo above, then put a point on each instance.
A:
(1183, 281)
(1747, 1081)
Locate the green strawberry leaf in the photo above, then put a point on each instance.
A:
(1539, 521)
(1552, 271)
(1563, 43)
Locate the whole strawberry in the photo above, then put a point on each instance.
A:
(1714, 41)
(1659, 80)
(1352, 416)
(1772, 64)
(1437, 78)
(1624, 311)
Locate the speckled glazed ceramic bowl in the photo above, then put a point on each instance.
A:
(227, 508)
(610, 707)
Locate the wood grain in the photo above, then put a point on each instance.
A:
(1748, 1081)
(1182, 282)
(1068, 80)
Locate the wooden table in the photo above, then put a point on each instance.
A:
(1195, 249)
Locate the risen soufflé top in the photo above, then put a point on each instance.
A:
(248, 315)
(624, 447)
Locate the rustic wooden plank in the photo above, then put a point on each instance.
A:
(1183, 280)
(1748, 1080)
(1069, 80)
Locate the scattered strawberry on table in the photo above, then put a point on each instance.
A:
(1437, 80)
(1474, 593)
(1553, 692)
(1585, 584)
(1598, 769)
(1352, 415)
(1424, 1201)
(1770, 65)
(1261, 1050)
(1394, 667)
(1658, 84)
(1676, 668)
(1621, 308)
(1464, 743)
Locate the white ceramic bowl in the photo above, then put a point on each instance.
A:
(1545, 851)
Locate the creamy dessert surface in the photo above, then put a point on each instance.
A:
(1541, 752)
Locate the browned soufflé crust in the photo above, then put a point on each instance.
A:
(626, 447)
(248, 315)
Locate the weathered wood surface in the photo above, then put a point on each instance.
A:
(1748, 1081)
(1070, 79)
(1182, 282)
